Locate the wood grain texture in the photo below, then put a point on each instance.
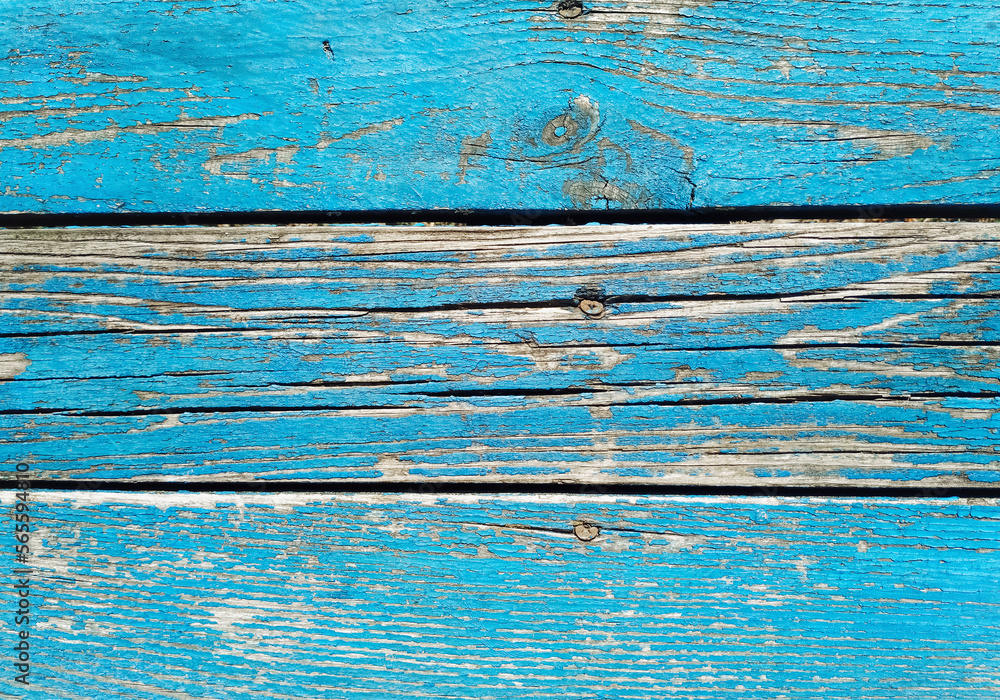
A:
(375, 596)
(777, 353)
(140, 105)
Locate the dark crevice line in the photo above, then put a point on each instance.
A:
(814, 398)
(143, 268)
(869, 296)
(819, 397)
(352, 314)
(913, 232)
(513, 488)
(238, 389)
(510, 390)
(342, 312)
(510, 217)
(140, 331)
(799, 296)
(292, 409)
(915, 343)
(828, 295)
(220, 253)
(662, 346)
(159, 375)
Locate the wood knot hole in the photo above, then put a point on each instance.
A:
(585, 532)
(570, 9)
(560, 130)
(592, 307)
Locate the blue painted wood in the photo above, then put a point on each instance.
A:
(138, 105)
(206, 371)
(373, 596)
(106, 279)
(740, 354)
(761, 355)
(927, 442)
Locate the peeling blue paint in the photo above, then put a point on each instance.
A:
(241, 108)
(357, 598)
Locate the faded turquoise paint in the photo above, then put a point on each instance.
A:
(757, 353)
(137, 105)
(328, 367)
(234, 597)
(334, 270)
(491, 437)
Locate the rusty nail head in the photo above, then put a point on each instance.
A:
(570, 9)
(585, 532)
(591, 307)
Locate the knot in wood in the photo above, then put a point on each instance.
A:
(585, 532)
(591, 307)
(570, 9)
(560, 130)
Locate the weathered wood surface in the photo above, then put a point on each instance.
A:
(140, 105)
(374, 596)
(773, 353)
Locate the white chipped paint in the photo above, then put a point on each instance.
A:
(13, 364)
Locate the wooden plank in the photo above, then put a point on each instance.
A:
(784, 353)
(136, 105)
(361, 596)
(339, 270)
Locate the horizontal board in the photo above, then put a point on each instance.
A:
(782, 353)
(344, 366)
(931, 443)
(137, 105)
(375, 596)
(133, 275)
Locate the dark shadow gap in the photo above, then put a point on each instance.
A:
(494, 488)
(510, 217)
